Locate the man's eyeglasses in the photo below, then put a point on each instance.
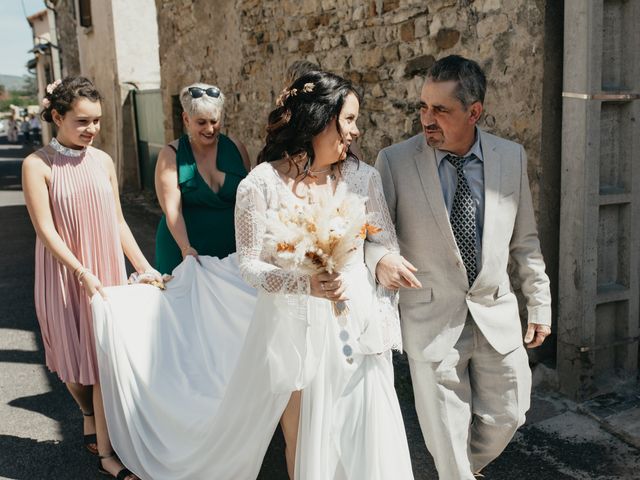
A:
(197, 92)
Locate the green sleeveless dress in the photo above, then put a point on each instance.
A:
(207, 215)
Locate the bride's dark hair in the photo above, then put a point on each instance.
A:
(303, 111)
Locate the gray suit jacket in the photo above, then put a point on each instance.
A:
(433, 316)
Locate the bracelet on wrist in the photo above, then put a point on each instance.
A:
(80, 273)
(183, 250)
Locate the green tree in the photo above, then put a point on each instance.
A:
(30, 86)
(26, 95)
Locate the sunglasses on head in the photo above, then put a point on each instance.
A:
(197, 92)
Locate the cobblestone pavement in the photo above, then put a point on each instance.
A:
(40, 427)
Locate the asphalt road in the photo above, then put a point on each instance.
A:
(40, 426)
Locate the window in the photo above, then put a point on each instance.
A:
(84, 13)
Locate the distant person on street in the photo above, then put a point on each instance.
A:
(12, 130)
(35, 130)
(71, 193)
(24, 129)
(196, 180)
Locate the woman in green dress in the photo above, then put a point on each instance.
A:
(196, 180)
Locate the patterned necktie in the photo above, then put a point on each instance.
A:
(463, 219)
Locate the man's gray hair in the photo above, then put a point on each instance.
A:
(205, 105)
(472, 82)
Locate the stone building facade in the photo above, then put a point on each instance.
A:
(115, 44)
(45, 61)
(384, 47)
(65, 21)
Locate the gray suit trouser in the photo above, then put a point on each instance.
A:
(471, 403)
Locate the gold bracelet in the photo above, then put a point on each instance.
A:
(185, 249)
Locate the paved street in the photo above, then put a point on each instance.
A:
(40, 426)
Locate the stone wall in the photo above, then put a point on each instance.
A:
(384, 46)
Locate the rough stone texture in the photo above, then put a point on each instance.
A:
(244, 46)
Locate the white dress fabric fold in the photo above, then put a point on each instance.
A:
(195, 378)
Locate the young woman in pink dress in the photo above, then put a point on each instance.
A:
(71, 193)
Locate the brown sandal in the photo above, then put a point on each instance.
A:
(90, 440)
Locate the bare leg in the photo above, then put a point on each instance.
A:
(289, 423)
(110, 463)
(83, 395)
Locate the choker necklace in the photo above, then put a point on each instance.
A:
(321, 171)
(69, 152)
(331, 175)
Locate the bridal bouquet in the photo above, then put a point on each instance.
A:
(320, 235)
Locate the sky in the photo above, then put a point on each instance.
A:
(15, 35)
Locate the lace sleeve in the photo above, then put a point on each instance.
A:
(250, 223)
(378, 215)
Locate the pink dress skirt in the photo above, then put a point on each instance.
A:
(84, 213)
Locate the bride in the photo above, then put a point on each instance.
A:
(197, 377)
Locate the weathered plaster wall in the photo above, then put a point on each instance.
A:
(96, 48)
(136, 42)
(67, 37)
(120, 53)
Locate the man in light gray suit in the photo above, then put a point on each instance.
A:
(461, 203)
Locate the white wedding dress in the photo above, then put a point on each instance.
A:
(195, 378)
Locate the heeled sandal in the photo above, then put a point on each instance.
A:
(91, 440)
(121, 475)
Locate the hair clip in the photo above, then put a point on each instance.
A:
(286, 93)
(46, 103)
(52, 86)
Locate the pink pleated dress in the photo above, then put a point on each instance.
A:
(84, 213)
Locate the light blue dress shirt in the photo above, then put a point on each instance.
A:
(474, 172)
